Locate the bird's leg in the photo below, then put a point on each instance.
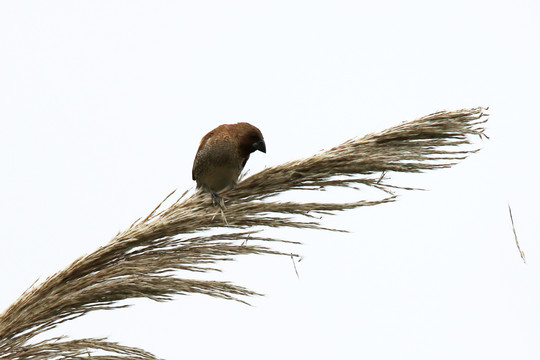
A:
(218, 200)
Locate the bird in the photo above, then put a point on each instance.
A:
(222, 155)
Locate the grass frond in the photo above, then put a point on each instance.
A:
(143, 260)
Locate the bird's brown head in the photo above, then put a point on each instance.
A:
(250, 139)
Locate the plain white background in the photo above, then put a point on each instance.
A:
(102, 106)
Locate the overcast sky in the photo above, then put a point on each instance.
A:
(102, 106)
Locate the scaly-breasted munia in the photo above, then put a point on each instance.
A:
(222, 155)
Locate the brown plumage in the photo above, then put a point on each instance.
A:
(222, 155)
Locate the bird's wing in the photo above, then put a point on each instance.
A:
(196, 162)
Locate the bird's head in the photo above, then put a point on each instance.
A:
(250, 139)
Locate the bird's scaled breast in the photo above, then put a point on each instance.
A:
(219, 178)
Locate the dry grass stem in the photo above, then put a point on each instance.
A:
(521, 253)
(294, 264)
(144, 260)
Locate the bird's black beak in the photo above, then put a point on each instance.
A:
(260, 145)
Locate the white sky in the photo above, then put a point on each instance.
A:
(102, 106)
